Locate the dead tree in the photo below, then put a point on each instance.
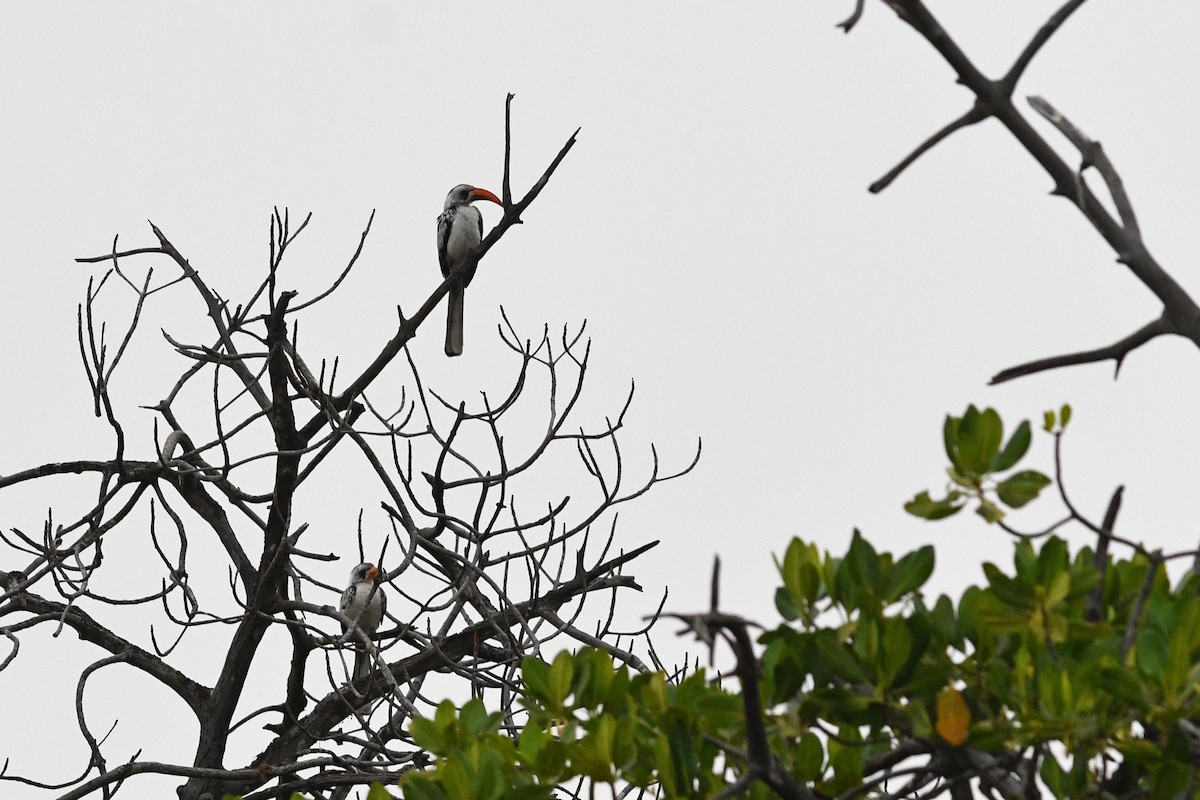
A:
(481, 566)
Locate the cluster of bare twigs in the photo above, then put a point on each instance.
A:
(477, 579)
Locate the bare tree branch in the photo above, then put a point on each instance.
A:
(1115, 351)
(976, 113)
(1181, 315)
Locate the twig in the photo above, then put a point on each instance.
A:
(1093, 611)
(976, 113)
(849, 22)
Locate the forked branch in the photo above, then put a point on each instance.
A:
(993, 98)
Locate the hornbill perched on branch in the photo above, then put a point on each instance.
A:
(460, 229)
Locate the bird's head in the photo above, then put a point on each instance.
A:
(364, 572)
(465, 194)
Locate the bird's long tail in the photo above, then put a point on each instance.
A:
(362, 662)
(454, 320)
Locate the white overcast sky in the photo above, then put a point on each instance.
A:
(712, 225)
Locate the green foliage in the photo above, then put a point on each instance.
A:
(475, 761)
(863, 663)
(587, 718)
(1033, 670)
(1052, 422)
(377, 791)
(1014, 665)
(973, 446)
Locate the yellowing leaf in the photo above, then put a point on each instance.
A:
(953, 716)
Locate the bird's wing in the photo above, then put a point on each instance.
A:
(471, 214)
(347, 599)
(445, 223)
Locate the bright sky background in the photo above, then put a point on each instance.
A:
(712, 225)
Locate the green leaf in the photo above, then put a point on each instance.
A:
(830, 570)
(991, 435)
(789, 570)
(838, 657)
(532, 740)
(445, 715)
(1026, 563)
(801, 575)
(601, 741)
(1168, 780)
(678, 759)
(909, 573)
(562, 671)
(593, 756)
(866, 640)
(979, 437)
(474, 716)
(950, 440)
(960, 480)
(1178, 663)
(1053, 776)
(862, 560)
(897, 645)
(457, 782)
(1007, 590)
(601, 675)
(1018, 445)
(1048, 421)
(918, 718)
(419, 786)
(944, 620)
(378, 792)
(1058, 589)
(653, 693)
(489, 777)
(927, 508)
(1053, 559)
(1140, 752)
(810, 581)
(785, 604)
(1123, 685)
(1065, 414)
(989, 511)
(846, 756)
(536, 674)
(966, 444)
(810, 758)
(426, 734)
(1017, 490)
(1150, 654)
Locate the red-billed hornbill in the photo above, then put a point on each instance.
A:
(364, 603)
(460, 228)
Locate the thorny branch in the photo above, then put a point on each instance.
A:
(994, 99)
